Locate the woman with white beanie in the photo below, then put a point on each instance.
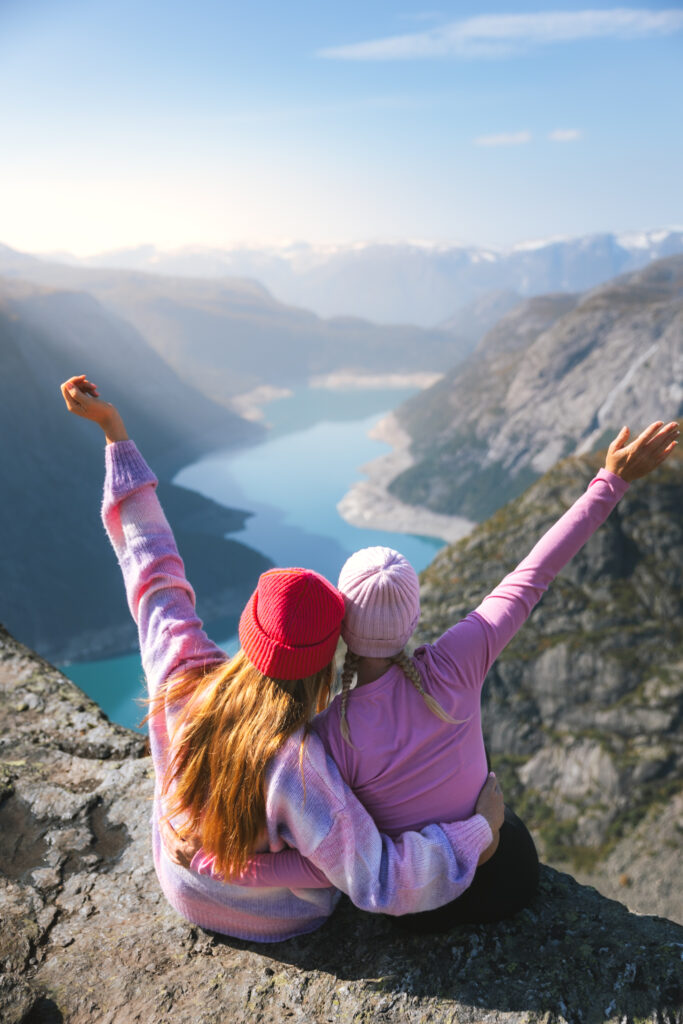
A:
(408, 738)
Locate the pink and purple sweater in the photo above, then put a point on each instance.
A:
(406, 765)
(418, 870)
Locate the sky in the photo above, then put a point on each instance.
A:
(214, 123)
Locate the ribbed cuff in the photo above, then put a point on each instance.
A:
(126, 470)
(473, 834)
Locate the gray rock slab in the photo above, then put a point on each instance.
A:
(87, 937)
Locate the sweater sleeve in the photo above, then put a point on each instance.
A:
(286, 869)
(477, 641)
(160, 599)
(309, 806)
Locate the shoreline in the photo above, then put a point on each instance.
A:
(368, 504)
(348, 380)
(250, 405)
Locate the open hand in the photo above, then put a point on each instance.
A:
(640, 457)
(82, 399)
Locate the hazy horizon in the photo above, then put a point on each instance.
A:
(220, 124)
(290, 244)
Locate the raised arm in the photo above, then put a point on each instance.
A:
(160, 598)
(481, 636)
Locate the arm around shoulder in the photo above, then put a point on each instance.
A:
(325, 821)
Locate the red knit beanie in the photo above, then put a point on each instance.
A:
(291, 624)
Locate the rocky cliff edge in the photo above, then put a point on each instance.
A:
(87, 937)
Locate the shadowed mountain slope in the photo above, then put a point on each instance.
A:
(229, 336)
(61, 588)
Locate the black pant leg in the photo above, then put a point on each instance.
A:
(501, 887)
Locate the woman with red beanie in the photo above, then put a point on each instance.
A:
(235, 760)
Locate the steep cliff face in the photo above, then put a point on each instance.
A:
(583, 709)
(557, 376)
(87, 938)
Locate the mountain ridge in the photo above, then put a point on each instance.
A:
(412, 282)
(229, 336)
(557, 375)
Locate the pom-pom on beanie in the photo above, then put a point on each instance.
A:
(382, 602)
(290, 626)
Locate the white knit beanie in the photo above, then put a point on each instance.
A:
(381, 595)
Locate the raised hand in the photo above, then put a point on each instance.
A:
(82, 399)
(640, 457)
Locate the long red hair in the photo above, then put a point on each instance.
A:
(233, 720)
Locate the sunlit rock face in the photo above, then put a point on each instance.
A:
(558, 375)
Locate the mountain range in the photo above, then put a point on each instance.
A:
(417, 283)
(230, 336)
(582, 712)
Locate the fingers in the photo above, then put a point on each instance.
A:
(648, 433)
(495, 784)
(664, 443)
(81, 383)
(69, 394)
(76, 400)
(656, 438)
(620, 440)
(78, 393)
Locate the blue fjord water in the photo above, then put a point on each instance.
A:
(291, 482)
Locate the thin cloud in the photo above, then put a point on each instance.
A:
(504, 139)
(501, 35)
(422, 16)
(564, 135)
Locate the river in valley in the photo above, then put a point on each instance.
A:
(291, 483)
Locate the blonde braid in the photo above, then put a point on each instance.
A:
(348, 672)
(407, 666)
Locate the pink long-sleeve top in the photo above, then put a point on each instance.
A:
(407, 766)
(318, 815)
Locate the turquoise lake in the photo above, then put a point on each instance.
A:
(291, 482)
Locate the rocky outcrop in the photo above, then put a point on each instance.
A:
(87, 937)
(559, 375)
(582, 711)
